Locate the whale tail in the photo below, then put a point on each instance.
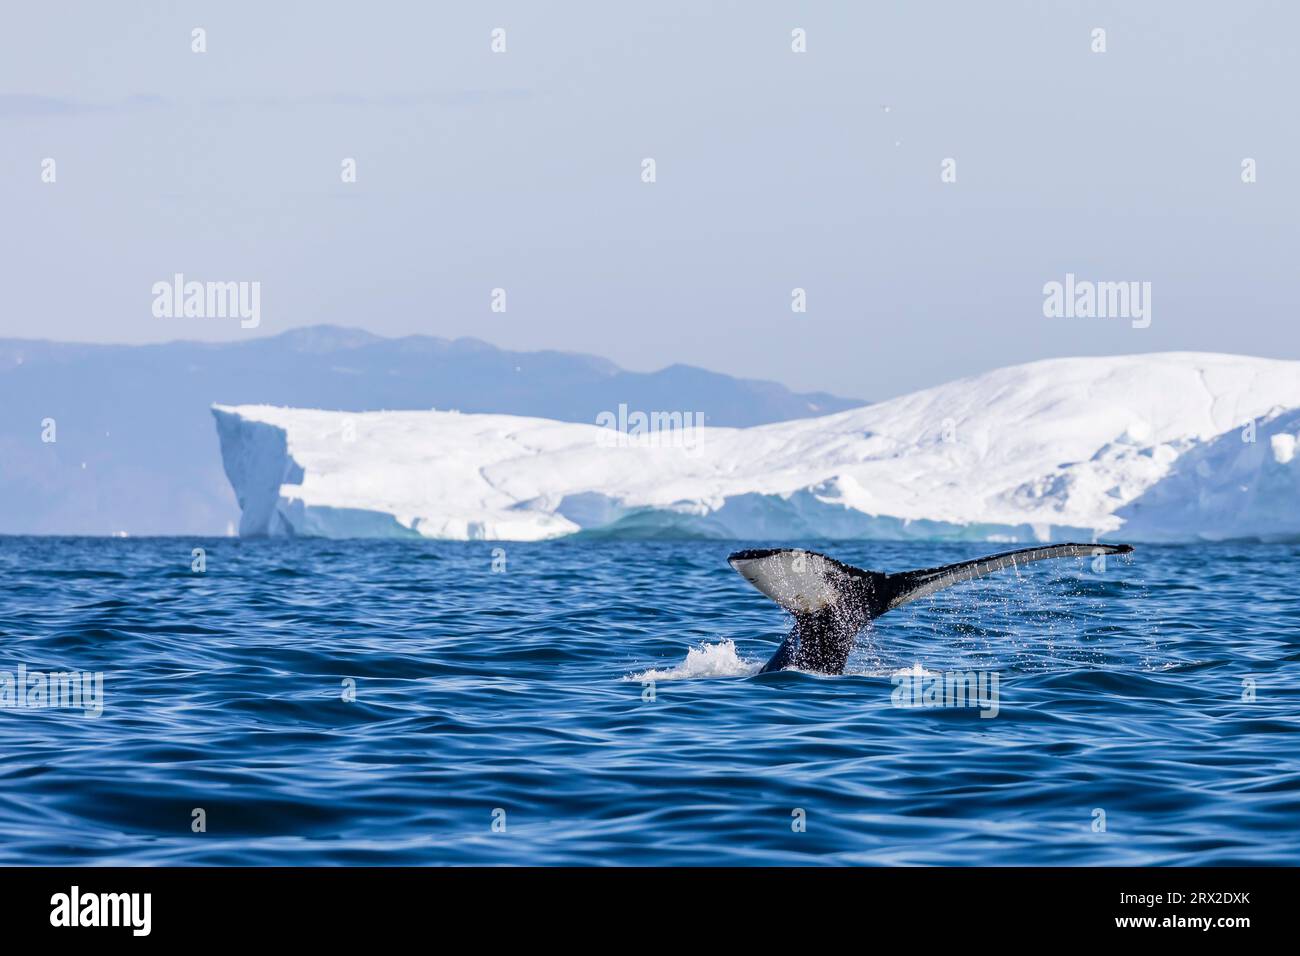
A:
(832, 601)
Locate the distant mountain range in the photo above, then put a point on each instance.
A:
(135, 449)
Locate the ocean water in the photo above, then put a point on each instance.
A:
(330, 702)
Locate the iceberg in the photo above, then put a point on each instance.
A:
(1159, 447)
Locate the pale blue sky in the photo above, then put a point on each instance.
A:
(775, 170)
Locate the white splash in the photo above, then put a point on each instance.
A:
(916, 670)
(707, 660)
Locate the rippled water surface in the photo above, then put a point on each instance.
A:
(600, 699)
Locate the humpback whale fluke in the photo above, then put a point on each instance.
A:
(832, 601)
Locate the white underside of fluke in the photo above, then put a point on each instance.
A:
(802, 582)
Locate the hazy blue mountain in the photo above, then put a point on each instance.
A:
(136, 449)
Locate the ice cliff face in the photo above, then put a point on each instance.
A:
(1171, 447)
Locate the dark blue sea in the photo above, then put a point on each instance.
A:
(326, 702)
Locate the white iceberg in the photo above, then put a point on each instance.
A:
(1162, 447)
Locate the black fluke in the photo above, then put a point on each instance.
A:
(832, 601)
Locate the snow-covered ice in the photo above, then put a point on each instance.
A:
(1144, 447)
